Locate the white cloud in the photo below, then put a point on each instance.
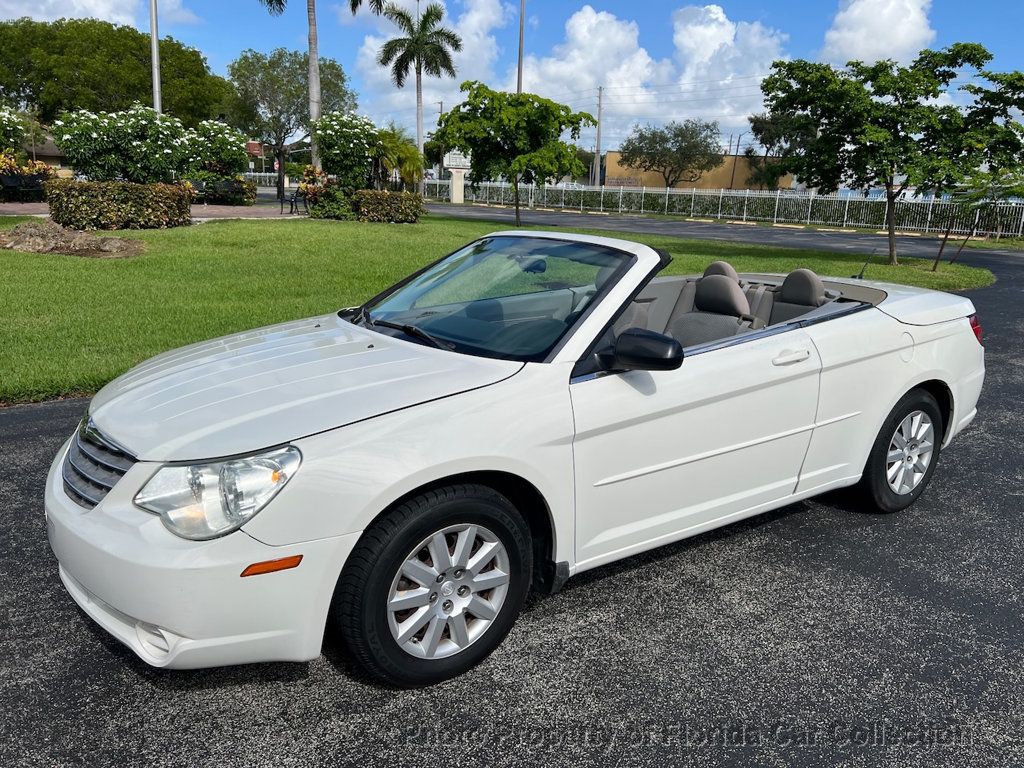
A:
(117, 11)
(713, 73)
(174, 12)
(869, 30)
(721, 62)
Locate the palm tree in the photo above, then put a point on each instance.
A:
(396, 152)
(276, 7)
(425, 47)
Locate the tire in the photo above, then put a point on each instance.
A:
(375, 576)
(883, 470)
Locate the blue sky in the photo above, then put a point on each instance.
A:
(658, 59)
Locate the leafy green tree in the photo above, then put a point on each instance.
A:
(862, 125)
(513, 135)
(586, 157)
(425, 46)
(90, 64)
(433, 152)
(679, 151)
(774, 132)
(273, 99)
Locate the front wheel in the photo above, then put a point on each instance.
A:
(434, 586)
(905, 453)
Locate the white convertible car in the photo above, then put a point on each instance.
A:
(533, 405)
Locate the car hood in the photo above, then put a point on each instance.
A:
(252, 390)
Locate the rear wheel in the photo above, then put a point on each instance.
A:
(433, 587)
(905, 453)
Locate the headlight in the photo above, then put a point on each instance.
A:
(204, 501)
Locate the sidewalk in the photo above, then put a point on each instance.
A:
(262, 210)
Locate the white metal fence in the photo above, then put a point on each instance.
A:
(782, 207)
(263, 179)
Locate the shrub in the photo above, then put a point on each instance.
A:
(141, 146)
(346, 143)
(330, 202)
(216, 148)
(391, 207)
(118, 204)
(30, 176)
(12, 130)
(137, 145)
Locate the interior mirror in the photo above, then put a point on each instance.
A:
(638, 349)
(536, 266)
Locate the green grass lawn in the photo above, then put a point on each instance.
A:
(69, 325)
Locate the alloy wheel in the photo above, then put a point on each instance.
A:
(910, 452)
(448, 591)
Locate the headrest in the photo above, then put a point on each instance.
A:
(720, 295)
(721, 268)
(802, 286)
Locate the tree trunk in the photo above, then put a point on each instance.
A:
(314, 81)
(515, 196)
(974, 228)
(890, 223)
(419, 122)
(942, 247)
(279, 153)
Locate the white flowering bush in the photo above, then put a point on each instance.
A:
(346, 143)
(141, 146)
(216, 148)
(136, 145)
(12, 130)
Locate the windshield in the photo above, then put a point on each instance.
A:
(506, 297)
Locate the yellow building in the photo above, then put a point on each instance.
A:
(723, 177)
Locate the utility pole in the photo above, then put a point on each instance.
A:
(596, 171)
(735, 158)
(154, 44)
(522, 22)
(440, 166)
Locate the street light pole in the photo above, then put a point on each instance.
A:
(154, 43)
(522, 21)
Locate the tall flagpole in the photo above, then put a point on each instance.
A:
(154, 43)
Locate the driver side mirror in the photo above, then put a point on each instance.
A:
(638, 349)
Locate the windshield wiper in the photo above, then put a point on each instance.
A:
(409, 330)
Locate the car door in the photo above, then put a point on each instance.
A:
(660, 455)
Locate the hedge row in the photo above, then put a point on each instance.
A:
(118, 204)
(388, 207)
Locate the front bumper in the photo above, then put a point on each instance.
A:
(183, 604)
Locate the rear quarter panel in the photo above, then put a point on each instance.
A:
(869, 361)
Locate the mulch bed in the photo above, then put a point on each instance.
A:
(47, 237)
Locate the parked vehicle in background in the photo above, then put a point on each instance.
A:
(532, 406)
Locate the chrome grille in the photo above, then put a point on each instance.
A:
(93, 466)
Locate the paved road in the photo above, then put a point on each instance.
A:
(784, 237)
(817, 635)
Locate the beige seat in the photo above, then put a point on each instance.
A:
(720, 310)
(686, 296)
(801, 291)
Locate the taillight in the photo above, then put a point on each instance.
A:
(976, 327)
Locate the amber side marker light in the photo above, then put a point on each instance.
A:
(270, 566)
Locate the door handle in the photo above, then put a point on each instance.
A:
(791, 356)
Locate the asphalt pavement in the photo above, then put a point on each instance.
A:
(817, 635)
(782, 236)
